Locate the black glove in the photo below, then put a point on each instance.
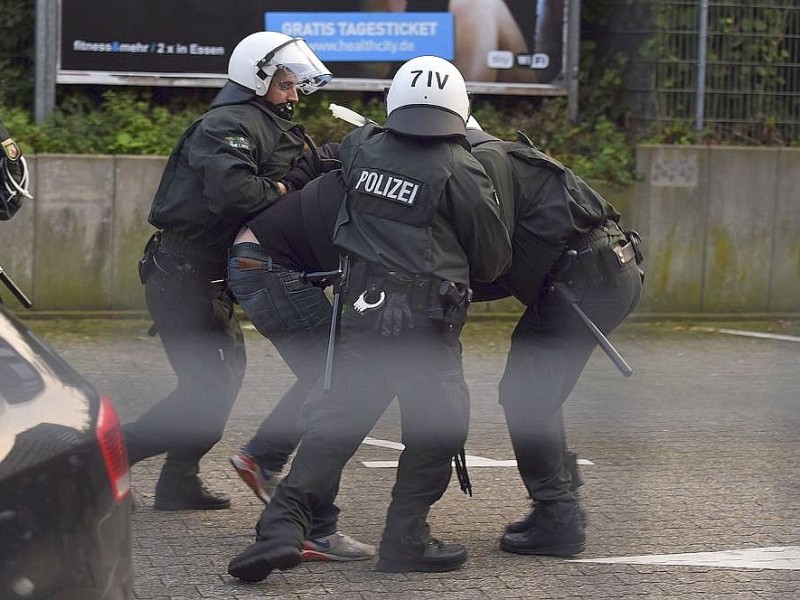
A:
(302, 172)
(328, 157)
(486, 292)
(315, 161)
(395, 315)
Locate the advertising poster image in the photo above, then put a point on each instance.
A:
(504, 43)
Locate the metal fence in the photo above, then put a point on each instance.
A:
(730, 68)
(16, 52)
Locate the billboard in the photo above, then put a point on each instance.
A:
(501, 46)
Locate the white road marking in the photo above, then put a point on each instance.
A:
(472, 461)
(383, 443)
(745, 333)
(777, 557)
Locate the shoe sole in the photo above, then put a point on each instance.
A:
(162, 505)
(250, 480)
(560, 551)
(387, 566)
(308, 555)
(254, 564)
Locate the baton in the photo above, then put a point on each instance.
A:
(566, 295)
(337, 301)
(345, 114)
(335, 278)
(14, 289)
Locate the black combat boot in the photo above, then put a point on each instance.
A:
(431, 557)
(522, 524)
(557, 530)
(576, 481)
(174, 492)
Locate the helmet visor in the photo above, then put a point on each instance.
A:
(298, 58)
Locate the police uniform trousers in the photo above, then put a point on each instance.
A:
(369, 371)
(550, 347)
(295, 317)
(203, 341)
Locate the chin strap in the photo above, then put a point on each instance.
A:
(285, 110)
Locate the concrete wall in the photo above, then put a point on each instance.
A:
(76, 245)
(721, 227)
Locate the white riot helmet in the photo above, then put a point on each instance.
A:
(257, 57)
(427, 98)
(472, 123)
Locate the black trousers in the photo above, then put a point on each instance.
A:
(205, 346)
(369, 371)
(550, 347)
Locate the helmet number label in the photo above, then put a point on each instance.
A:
(441, 80)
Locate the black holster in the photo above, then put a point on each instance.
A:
(636, 241)
(146, 264)
(455, 300)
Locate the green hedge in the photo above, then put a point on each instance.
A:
(132, 121)
(148, 121)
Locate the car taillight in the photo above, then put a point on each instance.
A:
(109, 437)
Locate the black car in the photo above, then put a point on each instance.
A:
(65, 501)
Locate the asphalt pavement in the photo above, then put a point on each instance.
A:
(692, 477)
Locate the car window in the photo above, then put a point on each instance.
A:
(19, 381)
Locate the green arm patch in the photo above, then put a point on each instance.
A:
(237, 141)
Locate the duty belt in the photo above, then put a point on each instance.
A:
(422, 290)
(597, 260)
(582, 242)
(194, 251)
(194, 258)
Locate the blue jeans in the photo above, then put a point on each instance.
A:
(295, 316)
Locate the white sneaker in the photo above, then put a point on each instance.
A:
(338, 547)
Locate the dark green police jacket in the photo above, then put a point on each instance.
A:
(419, 206)
(544, 205)
(225, 169)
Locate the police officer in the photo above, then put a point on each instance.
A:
(14, 176)
(419, 219)
(565, 236)
(227, 166)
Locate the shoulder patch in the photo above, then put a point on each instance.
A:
(237, 141)
(11, 150)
